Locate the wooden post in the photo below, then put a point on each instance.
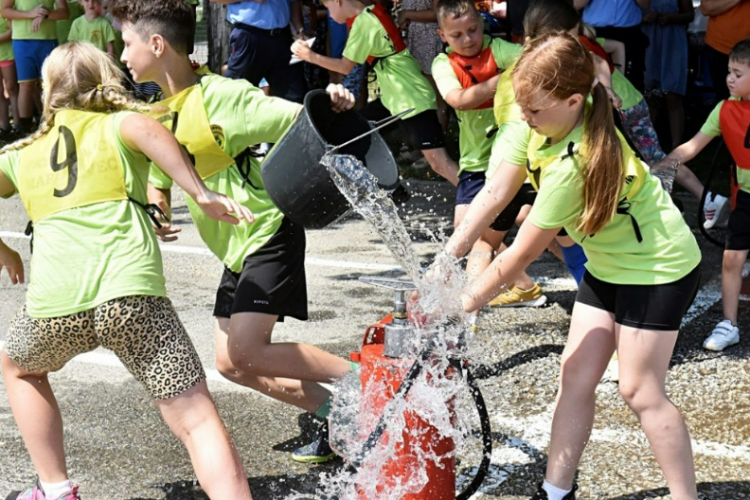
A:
(218, 35)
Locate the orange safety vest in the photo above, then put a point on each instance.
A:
(597, 49)
(394, 34)
(474, 70)
(734, 119)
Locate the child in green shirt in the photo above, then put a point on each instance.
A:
(94, 28)
(264, 277)
(731, 120)
(643, 261)
(96, 275)
(34, 37)
(9, 84)
(374, 39)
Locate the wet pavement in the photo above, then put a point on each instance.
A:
(119, 449)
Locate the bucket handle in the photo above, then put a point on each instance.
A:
(377, 126)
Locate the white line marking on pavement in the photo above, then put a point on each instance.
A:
(313, 261)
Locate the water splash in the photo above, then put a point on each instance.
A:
(438, 400)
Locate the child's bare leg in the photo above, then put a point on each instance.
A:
(731, 282)
(10, 79)
(4, 108)
(442, 164)
(289, 372)
(38, 419)
(676, 117)
(26, 92)
(687, 179)
(193, 418)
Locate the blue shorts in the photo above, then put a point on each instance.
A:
(469, 185)
(30, 55)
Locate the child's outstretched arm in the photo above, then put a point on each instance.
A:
(496, 194)
(10, 12)
(473, 96)
(601, 68)
(342, 65)
(687, 151)
(144, 134)
(503, 271)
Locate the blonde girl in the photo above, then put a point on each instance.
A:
(642, 271)
(96, 270)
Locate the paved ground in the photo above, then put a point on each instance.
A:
(119, 449)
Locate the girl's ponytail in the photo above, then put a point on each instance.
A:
(604, 170)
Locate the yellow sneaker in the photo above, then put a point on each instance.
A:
(517, 297)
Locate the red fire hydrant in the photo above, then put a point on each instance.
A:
(422, 450)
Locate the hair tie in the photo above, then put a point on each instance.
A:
(99, 87)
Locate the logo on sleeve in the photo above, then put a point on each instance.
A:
(218, 133)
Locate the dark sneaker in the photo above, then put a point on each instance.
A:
(542, 495)
(317, 452)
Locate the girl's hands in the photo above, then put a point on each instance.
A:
(11, 261)
(219, 207)
(341, 98)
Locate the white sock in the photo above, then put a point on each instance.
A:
(54, 491)
(553, 492)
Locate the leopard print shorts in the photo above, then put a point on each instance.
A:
(143, 331)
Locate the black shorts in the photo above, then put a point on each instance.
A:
(420, 132)
(525, 196)
(738, 229)
(469, 185)
(651, 307)
(272, 280)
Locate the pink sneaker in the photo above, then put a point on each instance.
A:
(36, 493)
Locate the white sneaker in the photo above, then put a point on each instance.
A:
(724, 335)
(714, 209)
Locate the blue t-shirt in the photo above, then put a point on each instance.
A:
(267, 15)
(616, 13)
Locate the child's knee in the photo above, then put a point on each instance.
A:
(734, 260)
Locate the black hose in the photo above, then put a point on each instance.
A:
(484, 422)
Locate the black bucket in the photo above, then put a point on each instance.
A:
(293, 176)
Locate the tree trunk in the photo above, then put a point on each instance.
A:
(218, 35)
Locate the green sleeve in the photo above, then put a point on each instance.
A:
(75, 35)
(8, 163)
(109, 33)
(559, 201)
(505, 53)
(712, 127)
(266, 118)
(360, 42)
(444, 75)
(511, 143)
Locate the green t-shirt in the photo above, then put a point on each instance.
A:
(22, 27)
(245, 117)
(668, 250)
(474, 124)
(623, 88)
(89, 255)
(98, 31)
(402, 84)
(510, 144)
(712, 128)
(63, 26)
(6, 48)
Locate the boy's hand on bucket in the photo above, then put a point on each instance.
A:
(219, 207)
(341, 98)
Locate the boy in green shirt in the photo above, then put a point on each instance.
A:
(731, 120)
(94, 28)
(264, 279)
(375, 39)
(467, 77)
(34, 37)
